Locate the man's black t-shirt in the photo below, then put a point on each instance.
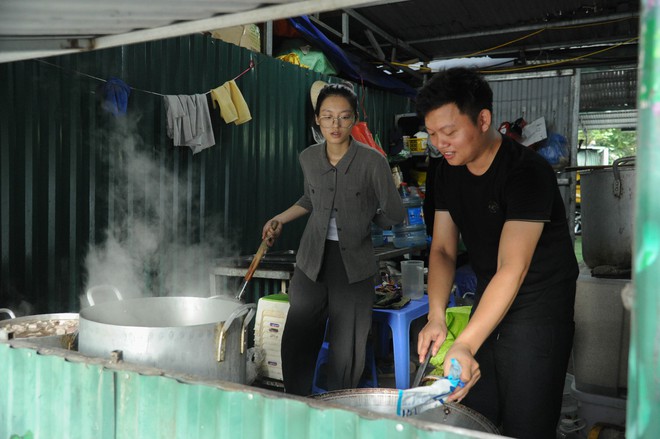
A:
(519, 185)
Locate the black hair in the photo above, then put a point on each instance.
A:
(337, 90)
(465, 88)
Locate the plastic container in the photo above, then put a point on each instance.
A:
(412, 279)
(595, 409)
(388, 236)
(268, 329)
(423, 136)
(377, 237)
(409, 236)
(412, 231)
(415, 145)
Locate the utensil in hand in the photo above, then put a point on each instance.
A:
(422, 368)
(256, 260)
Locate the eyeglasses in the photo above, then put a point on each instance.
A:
(329, 121)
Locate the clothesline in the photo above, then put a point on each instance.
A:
(251, 66)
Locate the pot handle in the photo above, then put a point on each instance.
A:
(8, 312)
(223, 327)
(97, 288)
(246, 322)
(617, 188)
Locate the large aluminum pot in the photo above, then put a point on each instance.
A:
(47, 330)
(205, 337)
(607, 205)
(384, 401)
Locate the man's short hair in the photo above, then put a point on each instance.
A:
(465, 88)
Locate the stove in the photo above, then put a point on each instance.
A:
(276, 260)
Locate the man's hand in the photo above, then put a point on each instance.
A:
(434, 331)
(470, 372)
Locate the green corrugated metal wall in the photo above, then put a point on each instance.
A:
(55, 396)
(643, 407)
(62, 157)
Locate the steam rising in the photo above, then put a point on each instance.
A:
(153, 247)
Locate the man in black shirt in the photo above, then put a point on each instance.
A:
(503, 199)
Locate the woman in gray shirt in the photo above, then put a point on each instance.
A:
(347, 186)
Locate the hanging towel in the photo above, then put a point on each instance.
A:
(222, 99)
(189, 121)
(115, 93)
(229, 99)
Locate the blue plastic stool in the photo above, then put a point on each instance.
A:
(365, 382)
(465, 280)
(399, 322)
(465, 285)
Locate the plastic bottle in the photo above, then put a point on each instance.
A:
(377, 238)
(397, 175)
(412, 231)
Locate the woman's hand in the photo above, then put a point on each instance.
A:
(271, 230)
(434, 331)
(470, 372)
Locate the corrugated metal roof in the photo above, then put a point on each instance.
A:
(608, 90)
(561, 33)
(84, 17)
(623, 119)
(537, 35)
(36, 28)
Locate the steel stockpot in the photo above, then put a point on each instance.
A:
(384, 401)
(205, 337)
(45, 330)
(607, 205)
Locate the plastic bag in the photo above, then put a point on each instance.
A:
(417, 400)
(300, 53)
(361, 133)
(555, 150)
(457, 319)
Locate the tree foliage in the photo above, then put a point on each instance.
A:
(620, 143)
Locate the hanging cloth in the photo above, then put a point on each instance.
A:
(189, 121)
(115, 93)
(229, 99)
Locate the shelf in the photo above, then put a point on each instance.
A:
(388, 251)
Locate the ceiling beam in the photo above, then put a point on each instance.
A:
(338, 34)
(374, 43)
(345, 29)
(396, 42)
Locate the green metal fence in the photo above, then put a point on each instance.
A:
(71, 172)
(65, 395)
